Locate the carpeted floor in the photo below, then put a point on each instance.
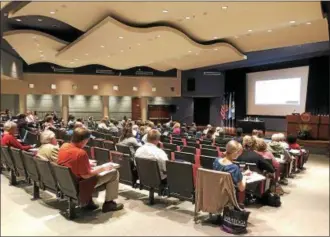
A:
(305, 211)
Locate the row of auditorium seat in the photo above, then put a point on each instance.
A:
(60, 181)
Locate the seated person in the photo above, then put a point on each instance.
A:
(149, 127)
(49, 123)
(176, 129)
(208, 127)
(136, 133)
(275, 147)
(71, 120)
(193, 128)
(127, 139)
(73, 155)
(103, 124)
(255, 132)
(239, 133)
(217, 132)
(260, 134)
(9, 139)
(209, 134)
(49, 147)
(282, 141)
(22, 125)
(250, 156)
(233, 150)
(261, 149)
(292, 141)
(77, 124)
(30, 117)
(221, 139)
(150, 151)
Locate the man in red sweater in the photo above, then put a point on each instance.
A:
(9, 139)
(73, 155)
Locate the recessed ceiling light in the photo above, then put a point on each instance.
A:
(224, 7)
(153, 89)
(95, 87)
(138, 44)
(72, 62)
(53, 86)
(18, 19)
(197, 53)
(187, 17)
(76, 59)
(102, 46)
(249, 30)
(31, 86)
(158, 36)
(236, 37)
(121, 51)
(108, 56)
(308, 23)
(165, 11)
(269, 31)
(121, 37)
(34, 37)
(52, 12)
(215, 37)
(40, 19)
(37, 45)
(40, 51)
(189, 51)
(135, 88)
(41, 55)
(292, 22)
(215, 49)
(86, 54)
(115, 88)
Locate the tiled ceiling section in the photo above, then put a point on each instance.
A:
(165, 35)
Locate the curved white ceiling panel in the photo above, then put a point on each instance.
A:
(201, 20)
(113, 44)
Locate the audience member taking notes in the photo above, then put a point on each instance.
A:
(75, 157)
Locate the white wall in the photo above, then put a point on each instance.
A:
(120, 107)
(84, 106)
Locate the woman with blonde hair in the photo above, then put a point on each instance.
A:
(233, 150)
(176, 129)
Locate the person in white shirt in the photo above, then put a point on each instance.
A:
(103, 124)
(208, 127)
(282, 139)
(29, 117)
(151, 151)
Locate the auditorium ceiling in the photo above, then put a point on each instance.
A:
(159, 35)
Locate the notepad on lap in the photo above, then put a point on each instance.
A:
(114, 165)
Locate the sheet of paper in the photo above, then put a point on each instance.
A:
(254, 177)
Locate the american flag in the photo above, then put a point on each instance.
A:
(224, 109)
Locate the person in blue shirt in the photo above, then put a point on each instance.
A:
(233, 150)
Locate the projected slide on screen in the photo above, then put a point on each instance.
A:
(278, 92)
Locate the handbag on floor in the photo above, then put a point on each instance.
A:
(234, 221)
(271, 199)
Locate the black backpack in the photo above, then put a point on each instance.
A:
(271, 199)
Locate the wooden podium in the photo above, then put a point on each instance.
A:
(319, 125)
